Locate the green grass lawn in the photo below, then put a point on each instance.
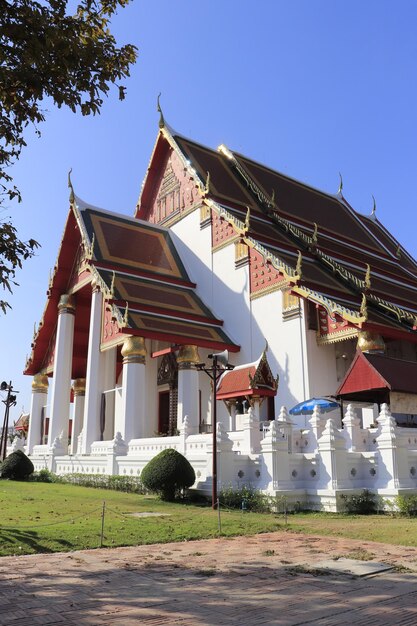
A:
(45, 517)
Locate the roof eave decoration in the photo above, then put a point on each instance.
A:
(357, 285)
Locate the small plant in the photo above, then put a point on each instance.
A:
(364, 503)
(407, 505)
(245, 498)
(17, 466)
(169, 473)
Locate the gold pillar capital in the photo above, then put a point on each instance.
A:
(40, 383)
(66, 304)
(78, 387)
(134, 350)
(370, 342)
(188, 357)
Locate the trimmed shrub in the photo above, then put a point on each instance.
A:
(168, 474)
(364, 503)
(17, 466)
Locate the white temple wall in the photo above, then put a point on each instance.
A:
(322, 367)
(194, 248)
(286, 349)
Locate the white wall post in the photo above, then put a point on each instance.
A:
(134, 389)
(188, 388)
(352, 429)
(91, 427)
(393, 471)
(276, 459)
(61, 386)
(333, 458)
(38, 401)
(78, 388)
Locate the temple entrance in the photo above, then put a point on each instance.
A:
(168, 398)
(163, 412)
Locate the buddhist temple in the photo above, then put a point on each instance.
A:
(308, 297)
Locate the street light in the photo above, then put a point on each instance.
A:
(220, 364)
(9, 401)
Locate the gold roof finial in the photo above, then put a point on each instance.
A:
(364, 308)
(339, 191)
(113, 278)
(161, 115)
(72, 194)
(314, 236)
(126, 315)
(207, 185)
(298, 269)
(247, 219)
(368, 277)
(398, 252)
(374, 206)
(90, 250)
(266, 346)
(273, 197)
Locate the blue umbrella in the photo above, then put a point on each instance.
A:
(307, 407)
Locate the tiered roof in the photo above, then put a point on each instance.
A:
(345, 262)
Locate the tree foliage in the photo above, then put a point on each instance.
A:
(46, 53)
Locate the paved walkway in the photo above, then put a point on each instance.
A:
(263, 580)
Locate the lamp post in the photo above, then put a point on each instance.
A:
(219, 365)
(9, 401)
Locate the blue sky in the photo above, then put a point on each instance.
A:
(310, 87)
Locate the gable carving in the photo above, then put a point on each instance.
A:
(176, 192)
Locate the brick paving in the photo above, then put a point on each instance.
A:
(263, 580)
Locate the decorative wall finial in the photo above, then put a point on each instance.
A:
(72, 195)
(368, 277)
(161, 115)
(374, 206)
(339, 191)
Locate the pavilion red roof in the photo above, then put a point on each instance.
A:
(376, 371)
(247, 380)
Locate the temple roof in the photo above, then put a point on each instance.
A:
(143, 280)
(350, 264)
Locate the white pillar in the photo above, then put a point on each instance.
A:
(91, 427)
(77, 417)
(109, 382)
(61, 387)
(188, 388)
(134, 389)
(38, 401)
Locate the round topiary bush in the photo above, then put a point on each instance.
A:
(167, 474)
(17, 466)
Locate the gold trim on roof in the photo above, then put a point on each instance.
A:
(340, 335)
